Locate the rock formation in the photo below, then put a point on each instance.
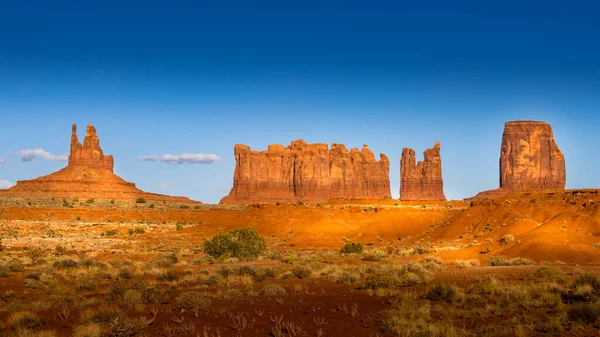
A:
(307, 172)
(422, 180)
(89, 174)
(90, 154)
(529, 159)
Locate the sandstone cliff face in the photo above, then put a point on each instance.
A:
(89, 174)
(422, 180)
(530, 158)
(89, 154)
(307, 172)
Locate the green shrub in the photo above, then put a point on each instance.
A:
(179, 226)
(60, 249)
(239, 243)
(151, 206)
(192, 301)
(444, 292)
(140, 201)
(111, 232)
(352, 248)
(302, 271)
(90, 201)
(138, 230)
(184, 206)
(65, 264)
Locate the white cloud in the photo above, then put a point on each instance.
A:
(197, 158)
(28, 155)
(3, 160)
(4, 184)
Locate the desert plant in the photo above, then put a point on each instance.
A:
(506, 239)
(111, 232)
(444, 292)
(140, 201)
(273, 290)
(169, 276)
(65, 264)
(302, 271)
(587, 313)
(352, 248)
(179, 226)
(239, 243)
(192, 300)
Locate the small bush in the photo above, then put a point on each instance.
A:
(15, 265)
(140, 201)
(166, 261)
(151, 206)
(138, 230)
(65, 264)
(184, 206)
(466, 263)
(111, 232)
(60, 249)
(418, 250)
(86, 285)
(506, 239)
(589, 279)
(501, 260)
(586, 313)
(179, 226)
(4, 271)
(24, 320)
(90, 201)
(444, 292)
(352, 248)
(192, 301)
(273, 290)
(432, 263)
(238, 243)
(125, 274)
(302, 271)
(169, 276)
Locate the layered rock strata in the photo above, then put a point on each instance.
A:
(530, 159)
(308, 173)
(421, 180)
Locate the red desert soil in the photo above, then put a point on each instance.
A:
(546, 226)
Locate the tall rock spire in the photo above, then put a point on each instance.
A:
(422, 180)
(89, 154)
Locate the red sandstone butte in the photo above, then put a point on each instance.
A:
(89, 174)
(308, 173)
(422, 180)
(529, 159)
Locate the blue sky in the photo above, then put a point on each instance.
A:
(192, 77)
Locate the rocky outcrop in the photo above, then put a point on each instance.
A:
(89, 154)
(89, 174)
(422, 180)
(529, 159)
(308, 173)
